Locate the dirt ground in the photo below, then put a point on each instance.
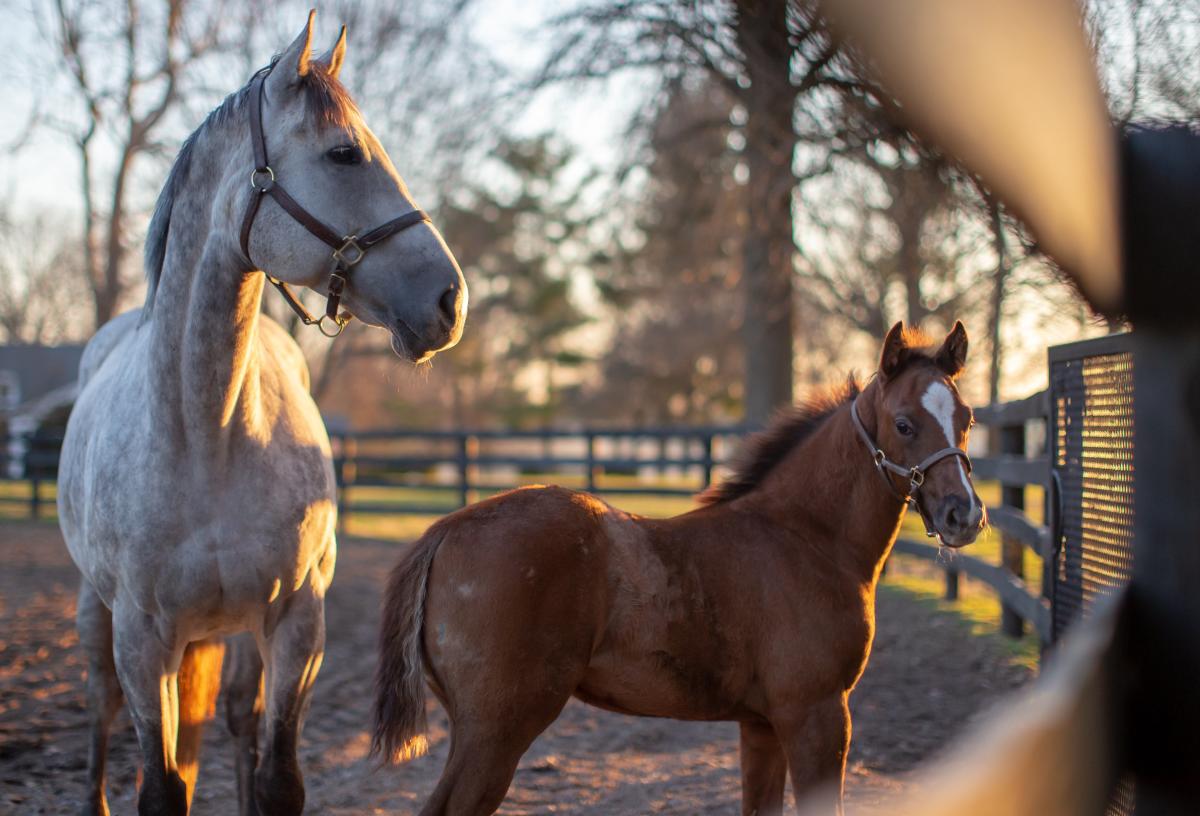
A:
(927, 678)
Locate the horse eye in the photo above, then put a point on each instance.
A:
(903, 428)
(345, 154)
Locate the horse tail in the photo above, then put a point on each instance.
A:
(199, 682)
(400, 679)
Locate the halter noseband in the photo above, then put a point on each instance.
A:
(348, 250)
(915, 474)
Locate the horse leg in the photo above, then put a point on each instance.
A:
(146, 665)
(243, 707)
(495, 715)
(484, 752)
(94, 622)
(764, 770)
(199, 681)
(292, 659)
(816, 744)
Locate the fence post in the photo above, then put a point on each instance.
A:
(591, 461)
(951, 581)
(35, 499)
(346, 471)
(1012, 551)
(707, 441)
(468, 450)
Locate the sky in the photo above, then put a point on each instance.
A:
(43, 174)
(36, 175)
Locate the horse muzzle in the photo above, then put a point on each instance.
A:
(959, 522)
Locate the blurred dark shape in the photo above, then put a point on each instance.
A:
(1160, 201)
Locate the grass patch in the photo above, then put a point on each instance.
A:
(15, 499)
(977, 606)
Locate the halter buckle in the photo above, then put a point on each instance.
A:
(270, 182)
(916, 478)
(349, 253)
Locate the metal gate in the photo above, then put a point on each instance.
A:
(1091, 466)
(1090, 438)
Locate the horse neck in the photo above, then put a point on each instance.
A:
(205, 315)
(829, 494)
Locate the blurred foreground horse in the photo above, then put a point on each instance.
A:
(758, 607)
(196, 490)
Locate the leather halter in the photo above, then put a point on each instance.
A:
(915, 475)
(348, 250)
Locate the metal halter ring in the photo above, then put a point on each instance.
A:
(337, 321)
(916, 478)
(349, 242)
(254, 178)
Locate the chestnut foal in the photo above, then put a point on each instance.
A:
(757, 607)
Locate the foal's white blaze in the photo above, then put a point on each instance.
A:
(939, 402)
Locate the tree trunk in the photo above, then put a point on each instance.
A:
(910, 210)
(762, 35)
(108, 295)
(997, 304)
(91, 253)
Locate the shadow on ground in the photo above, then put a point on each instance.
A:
(928, 677)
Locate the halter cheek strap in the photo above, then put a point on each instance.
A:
(348, 250)
(915, 475)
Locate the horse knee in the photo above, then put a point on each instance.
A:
(816, 744)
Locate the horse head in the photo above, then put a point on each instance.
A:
(921, 429)
(389, 266)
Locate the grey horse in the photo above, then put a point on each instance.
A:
(196, 489)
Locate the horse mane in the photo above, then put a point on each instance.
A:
(787, 429)
(791, 426)
(326, 100)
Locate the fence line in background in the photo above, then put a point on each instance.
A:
(662, 461)
(462, 465)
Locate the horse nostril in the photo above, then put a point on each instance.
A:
(448, 305)
(954, 517)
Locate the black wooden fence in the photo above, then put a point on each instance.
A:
(464, 465)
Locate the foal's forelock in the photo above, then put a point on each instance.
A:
(327, 103)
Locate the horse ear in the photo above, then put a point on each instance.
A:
(294, 62)
(334, 57)
(952, 356)
(893, 351)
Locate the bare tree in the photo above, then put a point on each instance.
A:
(43, 293)
(126, 65)
(770, 56)
(1146, 50)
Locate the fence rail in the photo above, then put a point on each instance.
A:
(663, 461)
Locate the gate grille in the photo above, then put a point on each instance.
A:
(1091, 440)
(1091, 386)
